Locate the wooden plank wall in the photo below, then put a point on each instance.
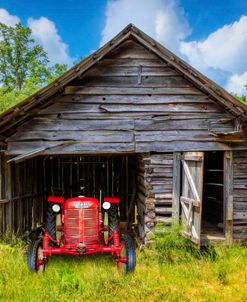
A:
(154, 192)
(129, 102)
(240, 195)
(22, 195)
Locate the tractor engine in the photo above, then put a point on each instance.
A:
(81, 221)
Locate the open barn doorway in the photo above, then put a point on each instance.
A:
(94, 176)
(213, 200)
(202, 196)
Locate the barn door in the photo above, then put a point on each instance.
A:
(191, 194)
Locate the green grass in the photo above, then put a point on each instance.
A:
(170, 270)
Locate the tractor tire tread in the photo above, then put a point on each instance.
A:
(32, 254)
(130, 253)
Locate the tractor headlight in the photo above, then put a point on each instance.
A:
(106, 205)
(56, 208)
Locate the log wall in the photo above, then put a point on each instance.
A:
(240, 195)
(129, 102)
(154, 192)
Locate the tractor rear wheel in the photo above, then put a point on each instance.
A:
(35, 256)
(127, 259)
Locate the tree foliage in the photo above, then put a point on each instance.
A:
(24, 65)
(242, 98)
(19, 58)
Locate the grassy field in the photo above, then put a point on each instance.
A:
(170, 270)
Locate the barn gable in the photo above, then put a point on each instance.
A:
(131, 101)
(25, 110)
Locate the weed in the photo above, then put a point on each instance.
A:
(172, 247)
(169, 270)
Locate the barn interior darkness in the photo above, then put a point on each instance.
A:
(212, 208)
(94, 176)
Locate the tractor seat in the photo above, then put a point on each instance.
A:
(114, 200)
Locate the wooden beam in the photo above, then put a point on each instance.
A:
(1, 194)
(190, 180)
(32, 153)
(187, 200)
(97, 90)
(9, 206)
(228, 196)
(176, 186)
(27, 155)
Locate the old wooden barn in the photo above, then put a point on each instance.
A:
(133, 120)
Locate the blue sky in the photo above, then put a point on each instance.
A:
(210, 35)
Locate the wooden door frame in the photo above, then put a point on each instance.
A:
(228, 196)
(176, 189)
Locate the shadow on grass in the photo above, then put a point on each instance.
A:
(71, 262)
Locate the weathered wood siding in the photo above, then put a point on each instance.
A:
(130, 102)
(240, 195)
(22, 196)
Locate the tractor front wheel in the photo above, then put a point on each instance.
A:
(36, 262)
(127, 258)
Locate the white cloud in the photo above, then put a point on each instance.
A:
(162, 19)
(45, 33)
(8, 19)
(221, 56)
(224, 51)
(225, 48)
(236, 83)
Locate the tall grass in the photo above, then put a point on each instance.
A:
(169, 270)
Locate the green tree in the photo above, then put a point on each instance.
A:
(24, 65)
(20, 59)
(55, 71)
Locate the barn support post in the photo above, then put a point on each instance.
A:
(1, 194)
(228, 196)
(9, 204)
(19, 190)
(176, 186)
(141, 198)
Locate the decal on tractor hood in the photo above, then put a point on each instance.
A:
(81, 205)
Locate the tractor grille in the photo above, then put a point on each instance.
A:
(81, 225)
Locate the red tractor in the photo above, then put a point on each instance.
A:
(82, 232)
